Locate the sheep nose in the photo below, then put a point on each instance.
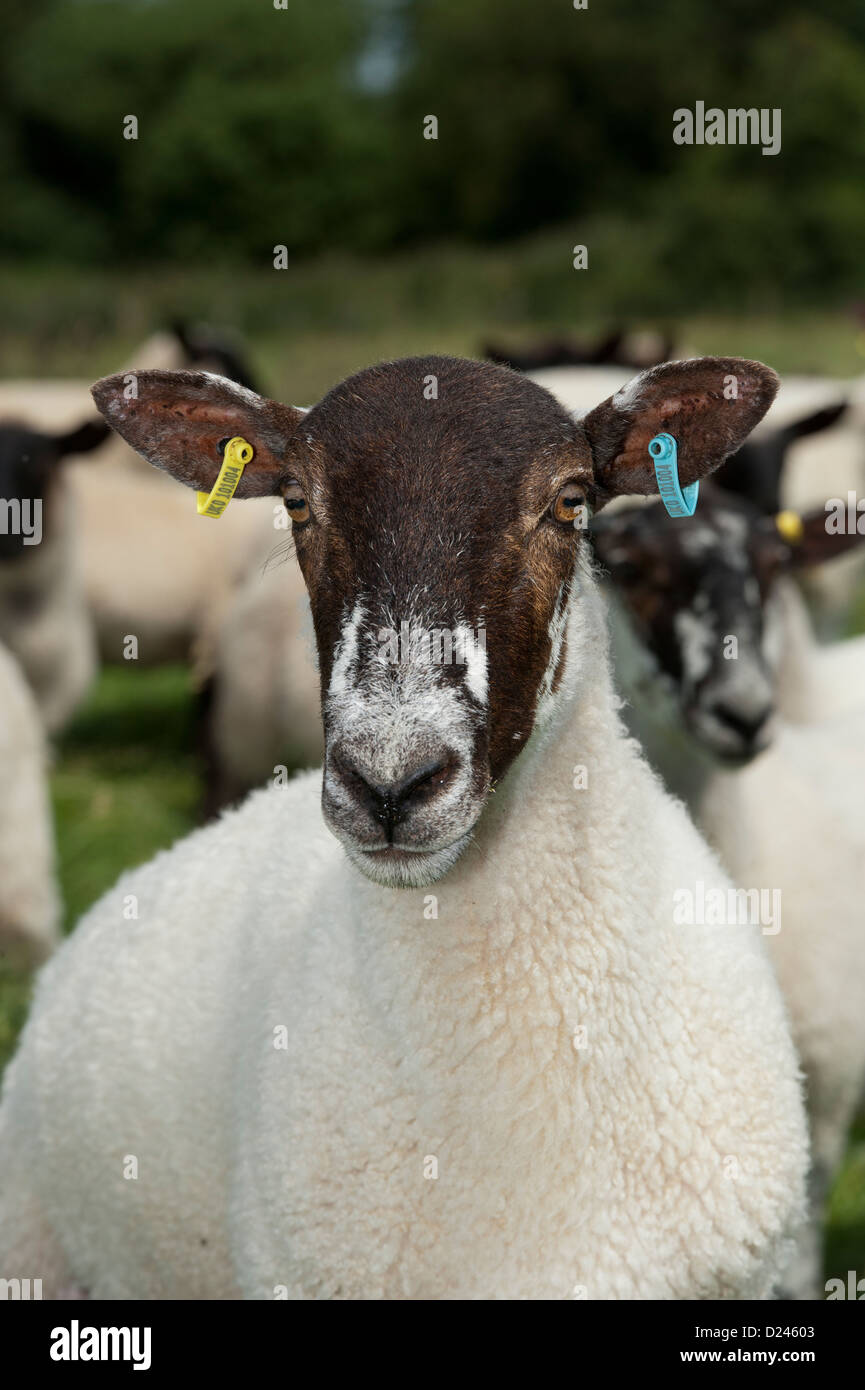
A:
(390, 803)
(747, 725)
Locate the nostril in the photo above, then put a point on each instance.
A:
(746, 725)
(351, 776)
(389, 803)
(424, 781)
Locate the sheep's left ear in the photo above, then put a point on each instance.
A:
(709, 404)
(181, 421)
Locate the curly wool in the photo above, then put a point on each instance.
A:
(525, 1083)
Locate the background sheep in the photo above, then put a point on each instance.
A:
(148, 568)
(43, 614)
(619, 348)
(793, 818)
(29, 906)
(152, 568)
(256, 668)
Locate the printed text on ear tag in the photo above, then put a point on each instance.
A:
(238, 452)
(679, 501)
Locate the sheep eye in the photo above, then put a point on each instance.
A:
(570, 504)
(295, 503)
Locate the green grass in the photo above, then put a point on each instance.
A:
(126, 783)
(846, 1220)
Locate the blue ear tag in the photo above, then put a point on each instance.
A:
(679, 501)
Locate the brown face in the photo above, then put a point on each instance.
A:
(438, 547)
(434, 504)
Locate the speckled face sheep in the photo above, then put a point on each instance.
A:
(720, 631)
(711, 646)
(532, 1082)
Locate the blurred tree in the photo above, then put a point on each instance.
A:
(251, 132)
(260, 126)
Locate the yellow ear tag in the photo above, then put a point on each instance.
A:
(237, 454)
(790, 526)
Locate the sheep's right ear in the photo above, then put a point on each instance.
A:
(181, 421)
(709, 404)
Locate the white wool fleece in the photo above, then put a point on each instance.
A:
(522, 1082)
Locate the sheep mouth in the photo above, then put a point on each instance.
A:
(396, 866)
(728, 746)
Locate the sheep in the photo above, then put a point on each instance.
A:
(792, 818)
(812, 449)
(43, 615)
(29, 903)
(813, 681)
(255, 668)
(153, 568)
(378, 1033)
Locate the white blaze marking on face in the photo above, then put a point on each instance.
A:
(468, 650)
(695, 641)
(390, 715)
(345, 655)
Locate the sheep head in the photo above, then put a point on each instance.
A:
(439, 510)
